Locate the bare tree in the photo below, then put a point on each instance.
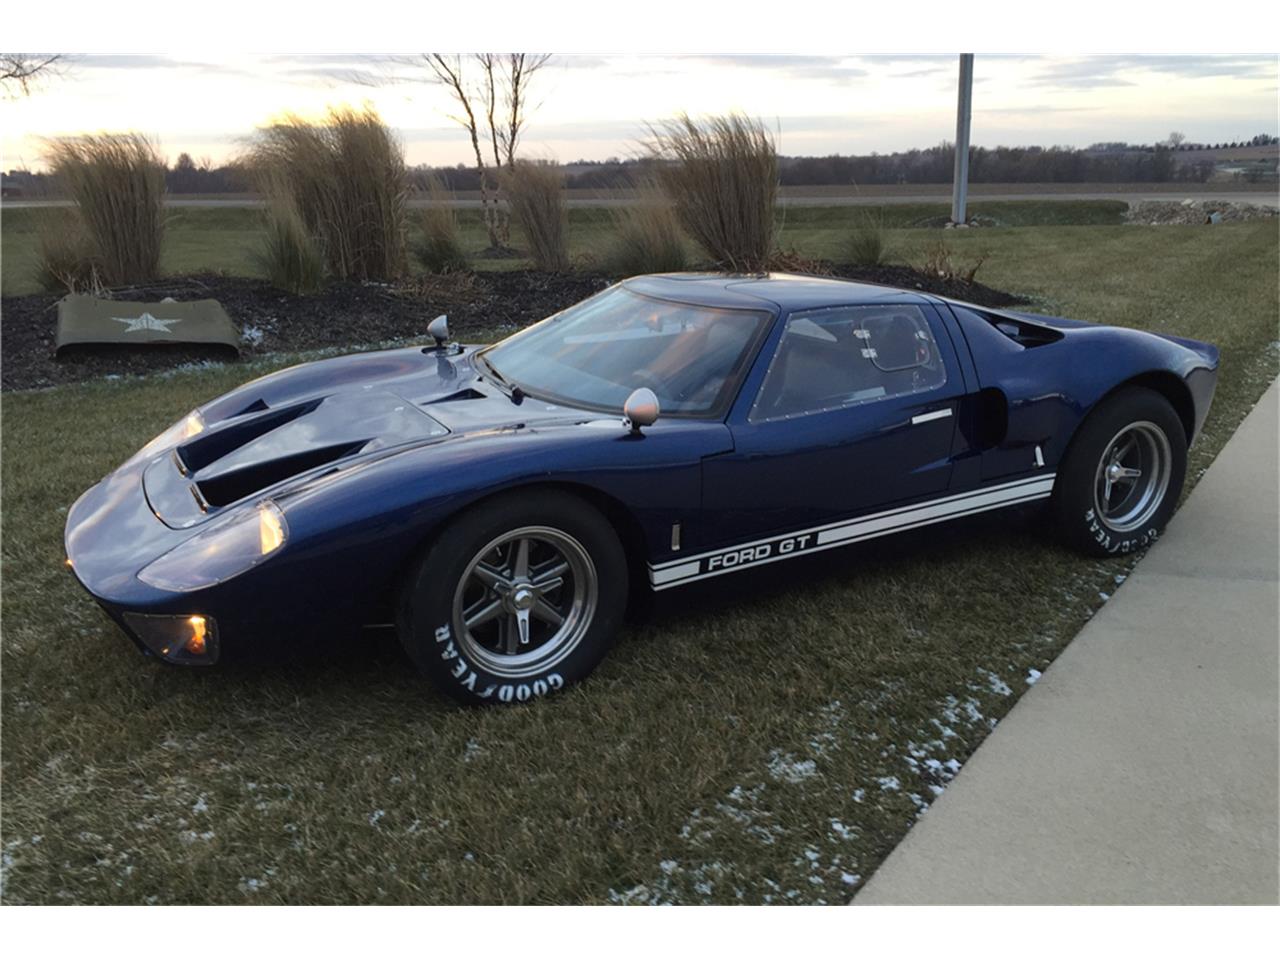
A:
(1175, 139)
(500, 95)
(19, 72)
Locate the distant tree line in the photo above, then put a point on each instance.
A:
(998, 165)
(1115, 162)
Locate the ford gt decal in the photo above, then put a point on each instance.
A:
(759, 552)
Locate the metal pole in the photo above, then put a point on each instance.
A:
(964, 109)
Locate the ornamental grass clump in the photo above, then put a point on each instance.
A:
(721, 175)
(345, 177)
(289, 255)
(536, 194)
(646, 235)
(66, 260)
(116, 181)
(440, 248)
(868, 244)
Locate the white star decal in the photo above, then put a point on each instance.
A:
(146, 322)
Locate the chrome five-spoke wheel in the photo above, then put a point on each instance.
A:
(1133, 476)
(524, 601)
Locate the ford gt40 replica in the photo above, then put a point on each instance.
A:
(500, 503)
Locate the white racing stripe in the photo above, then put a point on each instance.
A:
(926, 417)
(756, 553)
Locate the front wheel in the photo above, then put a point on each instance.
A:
(1121, 478)
(515, 599)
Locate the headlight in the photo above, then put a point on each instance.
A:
(184, 429)
(189, 639)
(227, 548)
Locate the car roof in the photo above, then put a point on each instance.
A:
(777, 291)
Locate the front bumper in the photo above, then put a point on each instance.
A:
(273, 611)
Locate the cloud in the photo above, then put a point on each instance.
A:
(1105, 71)
(132, 61)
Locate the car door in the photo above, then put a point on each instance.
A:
(856, 412)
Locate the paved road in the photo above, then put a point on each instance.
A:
(843, 200)
(1142, 767)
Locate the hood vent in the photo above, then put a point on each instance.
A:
(256, 407)
(467, 394)
(229, 487)
(216, 444)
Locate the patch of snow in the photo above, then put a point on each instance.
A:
(1033, 675)
(252, 335)
(376, 816)
(785, 767)
(889, 783)
(842, 831)
(859, 795)
(201, 805)
(995, 683)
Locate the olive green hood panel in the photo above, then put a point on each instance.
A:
(84, 319)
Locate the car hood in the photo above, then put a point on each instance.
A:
(299, 424)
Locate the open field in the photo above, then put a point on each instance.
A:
(842, 193)
(223, 239)
(765, 740)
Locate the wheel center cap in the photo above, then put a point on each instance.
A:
(1113, 472)
(522, 598)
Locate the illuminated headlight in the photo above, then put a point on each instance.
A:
(186, 638)
(227, 548)
(184, 429)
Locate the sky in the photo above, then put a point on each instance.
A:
(596, 106)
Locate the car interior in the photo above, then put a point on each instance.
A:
(834, 358)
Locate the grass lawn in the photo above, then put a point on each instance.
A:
(768, 740)
(224, 239)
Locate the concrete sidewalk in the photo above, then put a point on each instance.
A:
(1142, 767)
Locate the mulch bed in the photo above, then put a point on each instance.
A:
(343, 315)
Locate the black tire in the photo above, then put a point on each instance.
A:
(463, 573)
(1098, 511)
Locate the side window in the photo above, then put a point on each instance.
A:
(842, 356)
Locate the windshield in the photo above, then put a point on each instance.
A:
(598, 351)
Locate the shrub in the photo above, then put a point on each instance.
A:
(868, 244)
(117, 183)
(536, 194)
(289, 255)
(440, 249)
(939, 262)
(66, 260)
(722, 177)
(346, 179)
(646, 236)
(791, 261)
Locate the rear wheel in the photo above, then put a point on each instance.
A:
(1121, 478)
(515, 599)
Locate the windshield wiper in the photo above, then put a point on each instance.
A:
(490, 372)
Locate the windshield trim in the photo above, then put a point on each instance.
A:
(728, 393)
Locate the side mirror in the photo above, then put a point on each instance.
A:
(439, 329)
(640, 410)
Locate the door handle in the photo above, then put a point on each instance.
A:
(932, 415)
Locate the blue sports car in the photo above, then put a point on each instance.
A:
(501, 503)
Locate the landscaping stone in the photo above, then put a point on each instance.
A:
(1155, 213)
